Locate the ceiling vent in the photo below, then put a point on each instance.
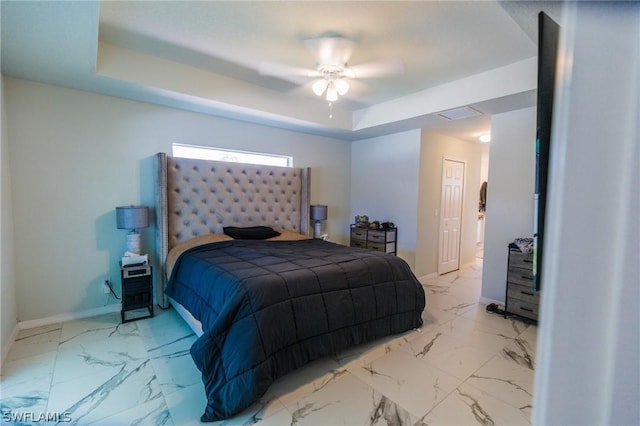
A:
(458, 113)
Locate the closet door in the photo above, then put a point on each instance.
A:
(450, 215)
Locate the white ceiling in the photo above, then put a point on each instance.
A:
(204, 56)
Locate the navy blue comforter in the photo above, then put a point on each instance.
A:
(268, 307)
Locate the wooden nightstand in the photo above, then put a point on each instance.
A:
(137, 292)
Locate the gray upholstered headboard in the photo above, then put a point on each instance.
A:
(196, 197)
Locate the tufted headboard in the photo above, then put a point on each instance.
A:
(197, 197)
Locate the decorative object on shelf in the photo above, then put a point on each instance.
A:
(318, 214)
(387, 226)
(132, 218)
(362, 220)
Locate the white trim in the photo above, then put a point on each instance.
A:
(431, 276)
(7, 347)
(25, 325)
(487, 300)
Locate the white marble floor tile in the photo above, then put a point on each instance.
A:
(25, 383)
(368, 352)
(152, 413)
(109, 355)
(408, 381)
(173, 364)
(349, 401)
(187, 405)
(506, 380)
(25, 372)
(509, 326)
(35, 341)
(100, 395)
(304, 381)
(101, 328)
(477, 334)
(441, 308)
(164, 328)
(449, 354)
(530, 338)
(470, 406)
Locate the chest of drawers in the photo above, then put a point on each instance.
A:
(373, 239)
(520, 298)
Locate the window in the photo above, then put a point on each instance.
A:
(218, 154)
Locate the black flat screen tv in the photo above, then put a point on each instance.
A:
(548, 35)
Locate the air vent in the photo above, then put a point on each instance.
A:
(458, 113)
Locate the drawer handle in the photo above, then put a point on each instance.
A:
(528, 294)
(526, 277)
(526, 309)
(527, 261)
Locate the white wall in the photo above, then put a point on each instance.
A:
(588, 370)
(8, 305)
(510, 188)
(434, 148)
(384, 184)
(75, 156)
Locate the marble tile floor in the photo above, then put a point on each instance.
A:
(465, 366)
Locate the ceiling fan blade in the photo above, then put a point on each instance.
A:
(275, 69)
(384, 68)
(330, 50)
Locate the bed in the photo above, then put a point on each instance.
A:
(269, 299)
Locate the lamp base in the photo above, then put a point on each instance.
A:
(133, 242)
(317, 229)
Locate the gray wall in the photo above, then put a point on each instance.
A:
(510, 188)
(384, 184)
(75, 156)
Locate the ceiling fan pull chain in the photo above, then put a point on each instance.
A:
(330, 109)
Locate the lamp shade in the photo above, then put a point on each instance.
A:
(132, 217)
(318, 212)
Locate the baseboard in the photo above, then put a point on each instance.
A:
(430, 276)
(487, 301)
(7, 346)
(114, 307)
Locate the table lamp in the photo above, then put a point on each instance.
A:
(318, 213)
(132, 218)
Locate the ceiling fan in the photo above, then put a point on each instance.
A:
(332, 73)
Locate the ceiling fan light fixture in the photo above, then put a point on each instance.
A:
(342, 86)
(332, 92)
(319, 86)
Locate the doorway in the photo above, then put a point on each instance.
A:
(450, 215)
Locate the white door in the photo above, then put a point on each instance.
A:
(450, 215)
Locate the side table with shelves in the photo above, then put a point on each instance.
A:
(137, 292)
(373, 239)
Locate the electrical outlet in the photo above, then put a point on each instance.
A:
(105, 287)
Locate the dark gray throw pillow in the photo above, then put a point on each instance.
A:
(250, 232)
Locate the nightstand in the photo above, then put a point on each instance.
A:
(137, 292)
